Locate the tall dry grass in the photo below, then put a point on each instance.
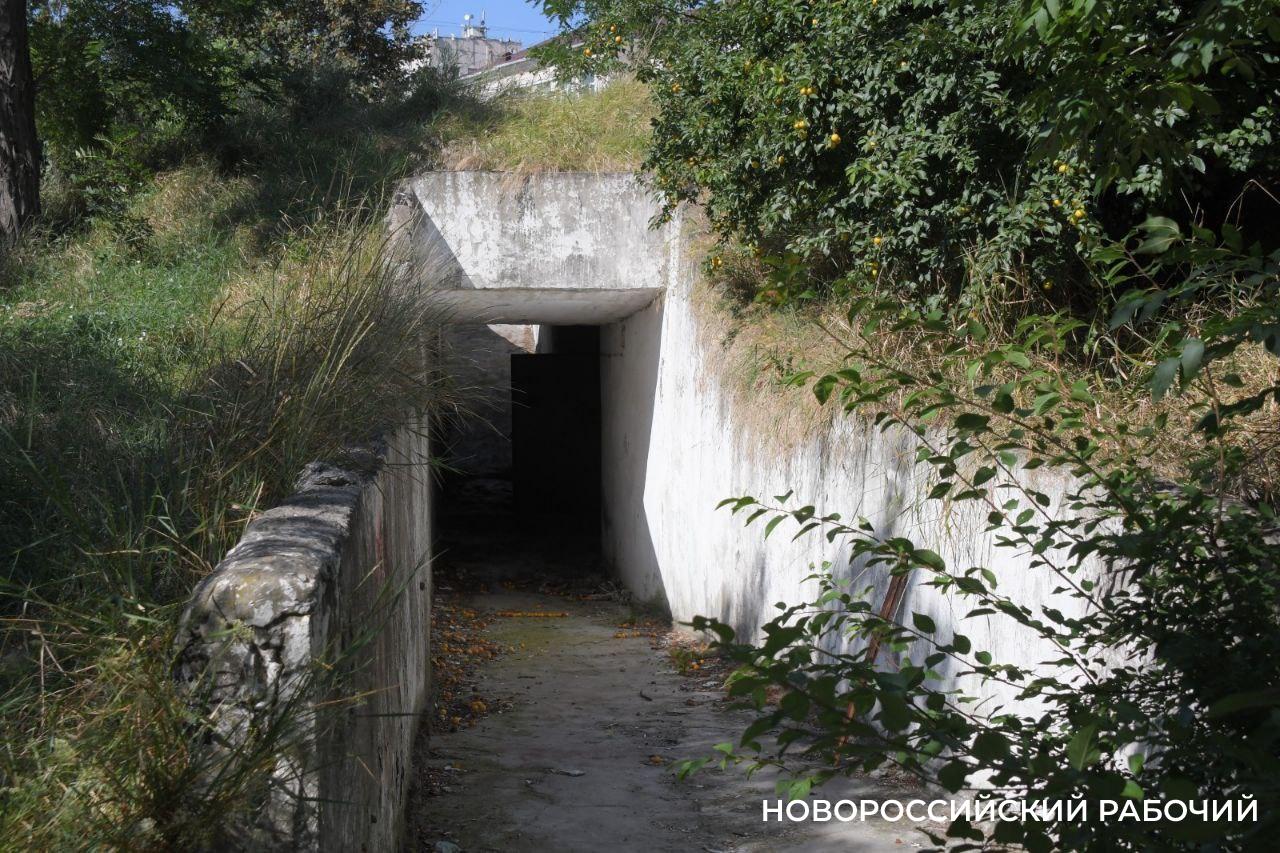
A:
(130, 465)
(761, 343)
(523, 132)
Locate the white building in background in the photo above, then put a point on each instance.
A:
(471, 51)
(493, 66)
(521, 71)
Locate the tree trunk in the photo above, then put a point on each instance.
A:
(19, 147)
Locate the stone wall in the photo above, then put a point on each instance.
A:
(313, 633)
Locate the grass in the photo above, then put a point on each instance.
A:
(167, 366)
(604, 131)
(760, 344)
(166, 369)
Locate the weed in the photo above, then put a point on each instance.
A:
(603, 131)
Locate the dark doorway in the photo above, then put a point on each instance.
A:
(555, 404)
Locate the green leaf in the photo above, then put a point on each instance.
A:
(990, 746)
(952, 776)
(1192, 354)
(1017, 358)
(971, 422)
(1162, 377)
(823, 387)
(929, 559)
(1080, 751)
(1161, 232)
(1044, 402)
(794, 789)
(894, 713)
(923, 623)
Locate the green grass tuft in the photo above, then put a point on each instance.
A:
(165, 372)
(604, 131)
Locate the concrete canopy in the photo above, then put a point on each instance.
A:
(556, 248)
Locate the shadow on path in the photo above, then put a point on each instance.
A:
(576, 755)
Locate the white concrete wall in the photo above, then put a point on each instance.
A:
(576, 249)
(675, 446)
(529, 75)
(558, 248)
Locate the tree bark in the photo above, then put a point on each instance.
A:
(19, 147)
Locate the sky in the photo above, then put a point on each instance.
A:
(514, 19)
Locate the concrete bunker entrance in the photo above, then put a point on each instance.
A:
(522, 492)
(541, 275)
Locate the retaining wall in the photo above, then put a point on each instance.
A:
(676, 444)
(563, 249)
(316, 626)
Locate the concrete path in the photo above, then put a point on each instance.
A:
(575, 755)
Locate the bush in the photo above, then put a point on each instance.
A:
(131, 465)
(164, 374)
(932, 147)
(1155, 675)
(129, 88)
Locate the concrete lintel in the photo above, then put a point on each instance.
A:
(558, 306)
(557, 248)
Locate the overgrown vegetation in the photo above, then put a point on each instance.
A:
(955, 151)
(1045, 210)
(196, 316)
(1119, 686)
(604, 131)
(174, 347)
(126, 86)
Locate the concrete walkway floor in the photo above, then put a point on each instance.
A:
(576, 753)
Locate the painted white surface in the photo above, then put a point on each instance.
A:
(554, 230)
(558, 307)
(675, 446)
(528, 75)
(559, 249)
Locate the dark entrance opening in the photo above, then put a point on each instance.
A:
(555, 436)
(521, 497)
